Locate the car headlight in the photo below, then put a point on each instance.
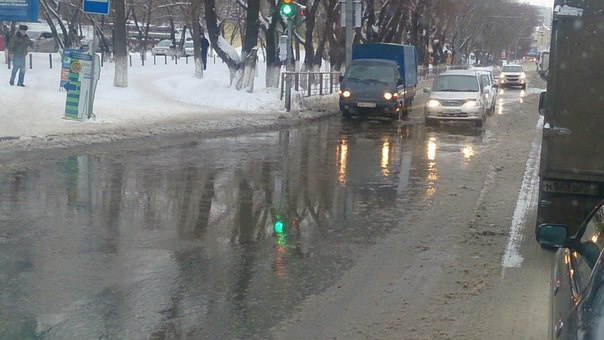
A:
(432, 103)
(345, 93)
(471, 103)
(522, 75)
(387, 95)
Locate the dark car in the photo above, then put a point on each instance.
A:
(371, 86)
(577, 304)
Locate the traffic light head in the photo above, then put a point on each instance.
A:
(302, 11)
(287, 8)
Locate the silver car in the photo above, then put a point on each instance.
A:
(456, 95)
(490, 84)
(512, 75)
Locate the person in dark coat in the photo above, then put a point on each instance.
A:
(18, 47)
(205, 45)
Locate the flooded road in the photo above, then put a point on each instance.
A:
(215, 238)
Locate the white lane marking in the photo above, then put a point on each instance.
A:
(527, 200)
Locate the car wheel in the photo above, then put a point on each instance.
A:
(479, 123)
(345, 113)
(429, 122)
(524, 86)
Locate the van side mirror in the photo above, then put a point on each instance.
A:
(341, 78)
(426, 90)
(542, 102)
(399, 82)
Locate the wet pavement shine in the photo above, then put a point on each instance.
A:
(216, 238)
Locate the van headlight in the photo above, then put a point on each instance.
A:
(432, 103)
(471, 103)
(345, 93)
(387, 95)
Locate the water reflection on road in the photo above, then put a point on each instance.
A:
(217, 238)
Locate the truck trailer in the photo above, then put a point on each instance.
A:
(571, 172)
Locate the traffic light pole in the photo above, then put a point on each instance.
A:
(289, 65)
(349, 25)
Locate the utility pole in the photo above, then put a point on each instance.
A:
(289, 65)
(350, 18)
(349, 24)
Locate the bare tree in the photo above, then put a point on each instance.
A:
(120, 78)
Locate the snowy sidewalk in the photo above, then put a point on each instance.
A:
(159, 99)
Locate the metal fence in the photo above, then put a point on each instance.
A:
(311, 83)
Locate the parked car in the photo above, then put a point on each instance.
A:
(43, 41)
(577, 301)
(512, 75)
(490, 84)
(164, 47)
(456, 95)
(189, 48)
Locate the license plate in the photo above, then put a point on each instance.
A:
(451, 111)
(365, 104)
(568, 187)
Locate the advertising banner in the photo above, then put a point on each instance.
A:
(19, 10)
(76, 78)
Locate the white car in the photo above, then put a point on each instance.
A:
(164, 47)
(489, 83)
(512, 75)
(189, 48)
(456, 95)
(43, 41)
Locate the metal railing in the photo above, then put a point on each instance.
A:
(311, 83)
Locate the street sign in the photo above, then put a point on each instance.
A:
(19, 10)
(95, 6)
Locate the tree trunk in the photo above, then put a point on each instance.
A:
(251, 59)
(195, 11)
(273, 64)
(224, 50)
(120, 49)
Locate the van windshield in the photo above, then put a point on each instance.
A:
(455, 83)
(377, 72)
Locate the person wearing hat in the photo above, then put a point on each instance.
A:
(18, 47)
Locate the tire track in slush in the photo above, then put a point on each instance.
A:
(527, 200)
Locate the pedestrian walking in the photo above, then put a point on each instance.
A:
(18, 48)
(205, 45)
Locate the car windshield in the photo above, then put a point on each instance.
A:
(513, 68)
(165, 43)
(188, 44)
(378, 72)
(455, 83)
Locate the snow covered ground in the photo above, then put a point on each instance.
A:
(160, 98)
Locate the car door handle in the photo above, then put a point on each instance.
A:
(556, 286)
(558, 328)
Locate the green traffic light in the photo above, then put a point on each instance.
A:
(287, 10)
(279, 227)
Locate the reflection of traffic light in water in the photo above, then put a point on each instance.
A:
(278, 226)
(280, 231)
